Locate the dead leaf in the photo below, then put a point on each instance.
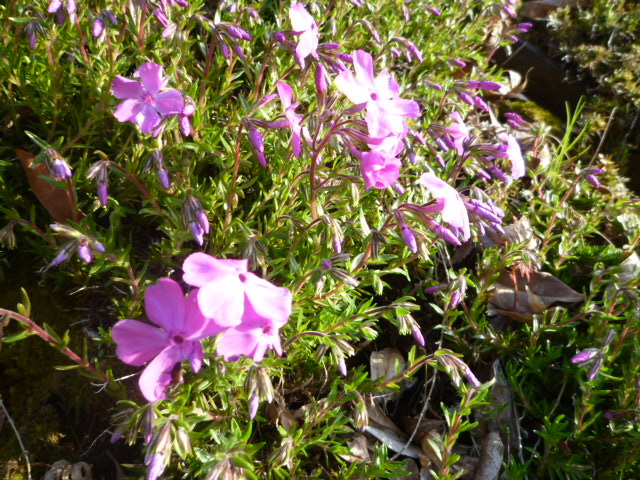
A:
(383, 365)
(543, 289)
(382, 428)
(521, 232)
(57, 201)
(430, 446)
(359, 447)
(491, 458)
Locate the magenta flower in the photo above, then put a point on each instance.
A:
(458, 131)
(379, 170)
(231, 295)
(56, 6)
(514, 154)
(253, 337)
(304, 24)
(286, 94)
(385, 109)
(451, 206)
(181, 324)
(144, 103)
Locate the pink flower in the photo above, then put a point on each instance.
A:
(231, 295)
(286, 95)
(385, 109)
(304, 24)
(144, 103)
(181, 327)
(459, 131)
(56, 5)
(514, 154)
(253, 337)
(452, 208)
(378, 169)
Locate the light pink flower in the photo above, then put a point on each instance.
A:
(181, 327)
(386, 111)
(379, 170)
(451, 206)
(304, 24)
(253, 337)
(458, 131)
(286, 94)
(228, 291)
(514, 154)
(144, 102)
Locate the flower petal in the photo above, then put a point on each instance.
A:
(147, 118)
(151, 75)
(164, 305)
(363, 65)
(200, 268)
(301, 20)
(169, 102)
(236, 342)
(196, 325)
(222, 300)
(137, 342)
(349, 86)
(267, 300)
(54, 6)
(307, 44)
(128, 109)
(124, 88)
(285, 93)
(157, 377)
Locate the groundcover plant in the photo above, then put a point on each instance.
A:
(306, 240)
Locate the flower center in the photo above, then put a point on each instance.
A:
(267, 329)
(148, 98)
(374, 96)
(242, 277)
(178, 339)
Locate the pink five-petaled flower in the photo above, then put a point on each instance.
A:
(231, 295)
(450, 203)
(458, 131)
(144, 103)
(385, 109)
(514, 154)
(181, 327)
(304, 24)
(286, 95)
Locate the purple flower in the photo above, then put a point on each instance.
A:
(286, 95)
(157, 464)
(99, 26)
(60, 169)
(450, 203)
(230, 295)
(185, 125)
(56, 6)
(304, 25)
(458, 131)
(514, 154)
(144, 102)
(385, 109)
(181, 324)
(254, 403)
(585, 355)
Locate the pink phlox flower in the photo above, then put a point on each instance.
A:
(458, 131)
(385, 109)
(227, 288)
(253, 337)
(143, 102)
(185, 125)
(56, 5)
(304, 24)
(451, 205)
(379, 169)
(286, 94)
(514, 154)
(181, 324)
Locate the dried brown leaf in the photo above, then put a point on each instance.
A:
(382, 428)
(514, 293)
(491, 458)
(359, 447)
(57, 201)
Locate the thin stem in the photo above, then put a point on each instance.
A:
(263, 68)
(15, 430)
(137, 183)
(143, 19)
(34, 328)
(207, 67)
(81, 41)
(236, 168)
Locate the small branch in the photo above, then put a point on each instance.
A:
(15, 430)
(137, 183)
(236, 168)
(34, 328)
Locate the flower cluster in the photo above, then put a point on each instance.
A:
(247, 310)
